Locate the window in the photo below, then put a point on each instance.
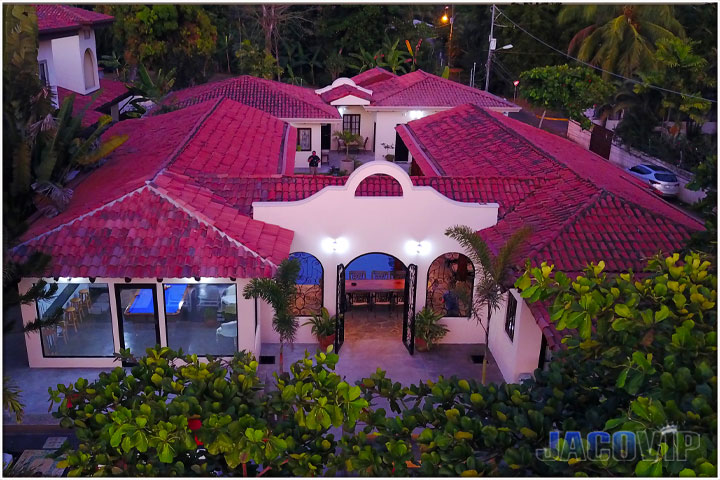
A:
(44, 75)
(640, 169)
(85, 328)
(304, 139)
(309, 286)
(351, 123)
(89, 69)
(450, 285)
(510, 316)
(201, 318)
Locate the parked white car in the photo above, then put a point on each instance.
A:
(661, 180)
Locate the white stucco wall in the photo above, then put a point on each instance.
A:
(388, 120)
(376, 224)
(45, 54)
(367, 121)
(301, 158)
(68, 58)
(518, 357)
(245, 316)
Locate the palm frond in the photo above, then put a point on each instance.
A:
(476, 248)
(507, 252)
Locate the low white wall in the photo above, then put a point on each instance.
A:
(386, 123)
(463, 330)
(518, 357)
(627, 157)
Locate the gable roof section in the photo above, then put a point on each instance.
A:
(422, 89)
(343, 91)
(143, 235)
(279, 99)
(235, 140)
(575, 223)
(372, 76)
(466, 141)
(110, 92)
(269, 241)
(151, 142)
(53, 18)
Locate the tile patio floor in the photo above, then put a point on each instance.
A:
(373, 339)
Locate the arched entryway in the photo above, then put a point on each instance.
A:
(89, 69)
(376, 301)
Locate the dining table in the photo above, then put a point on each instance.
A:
(387, 285)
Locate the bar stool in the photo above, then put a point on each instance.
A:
(85, 297)
(71, 318)
(50, 337)
(79, 308)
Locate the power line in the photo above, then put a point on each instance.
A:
(601, 69)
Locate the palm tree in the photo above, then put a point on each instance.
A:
(619, 38)
(493, 276)
(347, 138)
(279, 292)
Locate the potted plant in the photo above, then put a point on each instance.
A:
(323, 327)
(428, 329)
(347, 138)
(388, 156)
(210, 315)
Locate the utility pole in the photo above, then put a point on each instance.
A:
(452, 21)
(491, 47)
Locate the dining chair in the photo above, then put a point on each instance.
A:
(381, 275)
(398, 300)
(361, 299)
(382, 298)
(357, 275)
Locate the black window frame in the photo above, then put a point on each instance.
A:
(309, 149)
(510, 316)
(42, 340)
(119, 287)
(161, 301)
(349, 123)
(43, 71)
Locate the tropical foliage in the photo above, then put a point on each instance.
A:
(279, 292)
(568, 89)
(620, 38)
(257, 62)
(649, 362)
(428, 327)
(493, 275)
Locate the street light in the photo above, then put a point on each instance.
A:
(516, 83)
(445, 19)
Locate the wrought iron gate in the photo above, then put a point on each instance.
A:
(340, 308)
(409, 314)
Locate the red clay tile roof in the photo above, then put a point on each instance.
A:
(110, 92)
(241, 192)
(151, 142)
(269, 241)
(422, 89)
(238, 140)
(374, 75)
(279, 99)
(144, 235)
(343, 91)
(172, 145)
(56, 18)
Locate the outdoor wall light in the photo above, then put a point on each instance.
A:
(334, 245)
(159, 280)
(56, 278)
(232, 279)
(92, 279)
(341, 110)
(127, 279)
(415, 114)
(197, 279)
(413, 247)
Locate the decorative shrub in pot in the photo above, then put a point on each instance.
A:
(428, 329)
(323, 327)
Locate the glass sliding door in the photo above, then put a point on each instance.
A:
(138, 312)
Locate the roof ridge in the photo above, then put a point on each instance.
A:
(206, 221)
(81, 217)
(570, 221)
(181, 146)
(644, 209)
